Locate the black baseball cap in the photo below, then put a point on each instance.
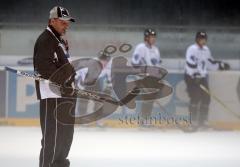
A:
(60, 13)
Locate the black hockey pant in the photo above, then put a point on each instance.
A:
(199, 100)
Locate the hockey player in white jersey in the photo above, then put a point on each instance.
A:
(198, 62)
(147, 54)
(80, 81)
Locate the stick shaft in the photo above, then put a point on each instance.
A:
(79, 92)
(218, 100)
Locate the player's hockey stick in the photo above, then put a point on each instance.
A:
(219, 101)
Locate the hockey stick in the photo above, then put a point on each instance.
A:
(219, 101)
(109, 103)
(80, 93)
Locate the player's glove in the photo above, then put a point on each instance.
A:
(224, 66)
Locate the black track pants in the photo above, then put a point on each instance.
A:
(56, 136)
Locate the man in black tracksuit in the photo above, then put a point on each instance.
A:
(51, 54)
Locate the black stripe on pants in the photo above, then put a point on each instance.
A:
(56, 137)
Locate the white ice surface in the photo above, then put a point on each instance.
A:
(19, 147)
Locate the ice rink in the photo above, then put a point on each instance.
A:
(94, 147)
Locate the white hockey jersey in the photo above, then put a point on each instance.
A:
(199, 61)
(145, 55)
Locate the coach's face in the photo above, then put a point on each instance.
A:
(60, 26)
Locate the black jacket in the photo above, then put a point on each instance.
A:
(49, 57)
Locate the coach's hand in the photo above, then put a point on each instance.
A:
(67, 92)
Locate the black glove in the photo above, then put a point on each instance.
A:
(196, 75)
(67, 92)
(224, 66)
(67, 88)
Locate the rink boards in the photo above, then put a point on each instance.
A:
(19, 105)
